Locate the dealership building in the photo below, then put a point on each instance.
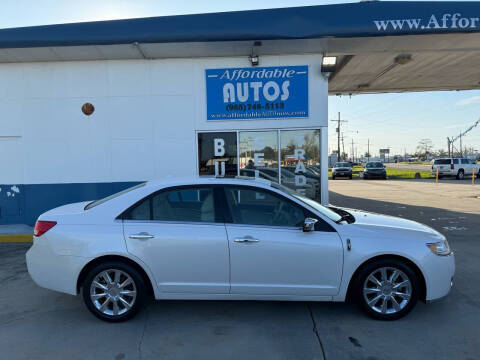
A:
(92, 108)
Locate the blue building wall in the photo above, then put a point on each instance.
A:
(22, 204)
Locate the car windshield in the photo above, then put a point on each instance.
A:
(342, 164)
(113, 196)
(374, 165)
(312, 203)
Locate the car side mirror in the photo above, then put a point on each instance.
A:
(309, 224)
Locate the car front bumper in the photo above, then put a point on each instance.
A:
(52, 271)
(341, 172)
(375, 174)
(439, 273)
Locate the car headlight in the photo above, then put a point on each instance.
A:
(440, 248)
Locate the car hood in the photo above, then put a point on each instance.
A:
(385, 223)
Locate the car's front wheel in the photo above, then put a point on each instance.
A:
(387, 289)
(114, 291)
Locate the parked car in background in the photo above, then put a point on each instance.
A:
(342, 169)
(232, 239)
(458, 167)
(289, 177)
(289, 182)
(373, 170)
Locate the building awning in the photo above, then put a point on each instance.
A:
(380, 46)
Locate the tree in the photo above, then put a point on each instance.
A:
(441, 153)
(424, 148)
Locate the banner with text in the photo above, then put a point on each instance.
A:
(276, 92)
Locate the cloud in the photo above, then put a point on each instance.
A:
(469, 101)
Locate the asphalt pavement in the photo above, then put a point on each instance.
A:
(40, 324)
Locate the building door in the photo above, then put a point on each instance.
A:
(289, 157)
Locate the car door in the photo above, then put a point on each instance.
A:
(467, 167)
(178, 233)
(269, 252)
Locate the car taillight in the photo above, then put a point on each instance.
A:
(41, 227)
(452, 166)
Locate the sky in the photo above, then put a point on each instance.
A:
(395, 121)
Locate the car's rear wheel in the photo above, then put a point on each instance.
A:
(460, 175)
(114, 291)
(387, 289)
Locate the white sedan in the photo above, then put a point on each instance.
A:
(232, 239)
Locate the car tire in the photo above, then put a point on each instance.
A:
(350, 177)
(126, 305)
(333, 177)
(460, 175)
(378, 299)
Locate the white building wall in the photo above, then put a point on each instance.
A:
(143, 127)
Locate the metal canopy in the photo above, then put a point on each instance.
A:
(380, 46)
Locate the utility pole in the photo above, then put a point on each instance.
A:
(343, 148)
(338, 121)
(353, 153)
(368, 150)
(461, 151)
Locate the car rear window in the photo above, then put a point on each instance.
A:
(442, 162)
(113, 196)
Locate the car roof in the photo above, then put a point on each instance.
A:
(196, 180)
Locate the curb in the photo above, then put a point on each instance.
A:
(16, 238)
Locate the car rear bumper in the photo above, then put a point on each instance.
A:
(443, 173)
(53, 271)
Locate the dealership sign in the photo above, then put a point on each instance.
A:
(257, 93)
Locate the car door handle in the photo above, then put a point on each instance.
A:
(141, 236)
(246, 239)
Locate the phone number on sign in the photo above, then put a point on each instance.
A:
(249, 107)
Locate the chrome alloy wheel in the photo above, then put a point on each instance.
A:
(113, 292)
(387, 290)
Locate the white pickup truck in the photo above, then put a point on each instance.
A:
(458, 167)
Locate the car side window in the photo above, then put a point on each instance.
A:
(258, 207)
(192, 204)
(465, 161)
(455, 161)
(140, 212)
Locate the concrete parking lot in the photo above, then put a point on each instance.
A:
(39, 324)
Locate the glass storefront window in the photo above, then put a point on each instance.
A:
(259, 154)
(300, 161)
(217, 154)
